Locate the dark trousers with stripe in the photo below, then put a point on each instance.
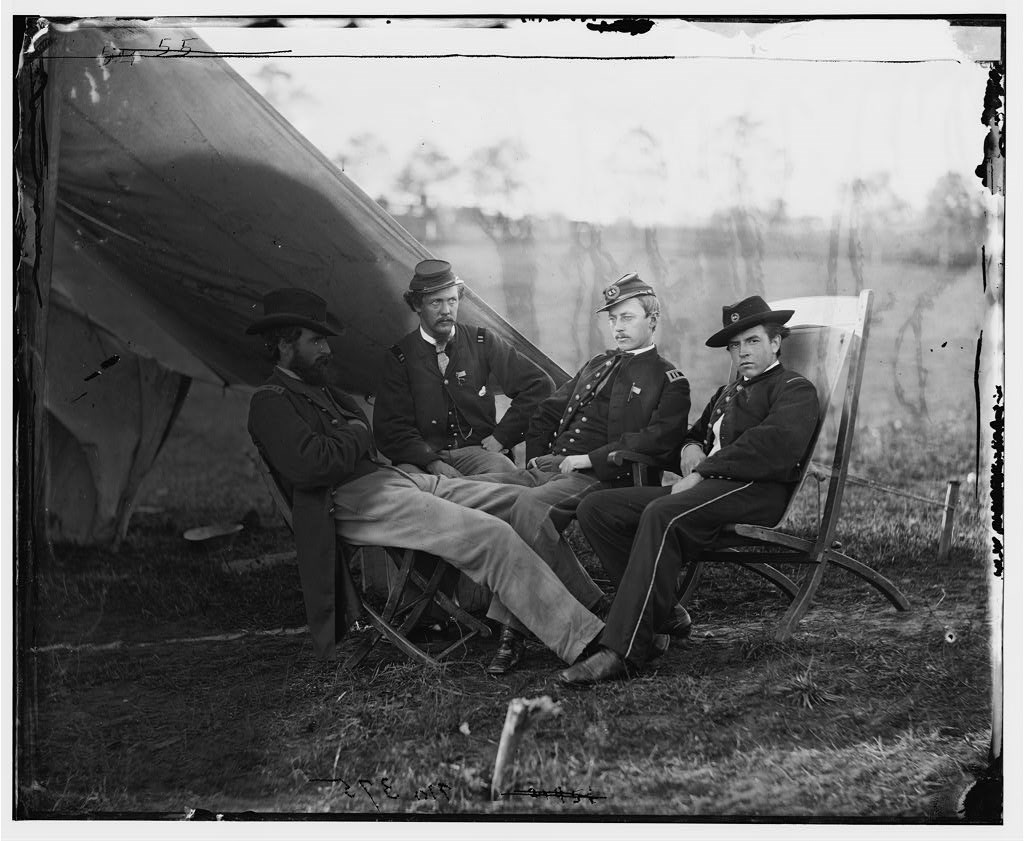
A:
(643, 536)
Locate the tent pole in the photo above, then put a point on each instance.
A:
(992, 381)
(36, 158)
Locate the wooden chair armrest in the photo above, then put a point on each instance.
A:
(641, 464)
(621, 457)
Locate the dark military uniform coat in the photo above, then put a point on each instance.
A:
(767, 425)
(648, 403)
(419, 411)
(313, 439)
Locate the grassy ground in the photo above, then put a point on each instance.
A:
(866, 713)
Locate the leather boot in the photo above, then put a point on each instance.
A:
(511, 649)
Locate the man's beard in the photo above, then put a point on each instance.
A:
(313, 374)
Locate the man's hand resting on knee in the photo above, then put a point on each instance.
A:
(442, 468)
(687, 482)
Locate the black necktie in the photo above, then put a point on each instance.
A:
(609, 370)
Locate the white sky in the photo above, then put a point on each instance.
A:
(819, 123)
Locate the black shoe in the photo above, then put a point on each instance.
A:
(511, 649)
(659, 645)
(604, 665)
(678, 624)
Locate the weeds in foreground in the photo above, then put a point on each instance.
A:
(804, 691)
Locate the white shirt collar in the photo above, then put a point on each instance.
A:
(766, 370)
(638, 351)
(291, 374)
(428, 338)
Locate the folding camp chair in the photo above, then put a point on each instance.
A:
(414, 589)
(827, 342)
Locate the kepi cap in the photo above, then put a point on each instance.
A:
(431, 275)
(626, 287)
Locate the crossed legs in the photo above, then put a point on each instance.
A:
(458, 519)
(643, 536)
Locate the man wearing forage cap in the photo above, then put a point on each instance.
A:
(740, 462)
(629, 398)
(318, 445)
(435, 406)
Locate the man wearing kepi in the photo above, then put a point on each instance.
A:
(630, 398)
(435, 410)
(740, 463)
(318, 445)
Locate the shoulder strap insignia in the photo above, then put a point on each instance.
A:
(269, 387)
(397, 351)
(674, 374)
(481, 332)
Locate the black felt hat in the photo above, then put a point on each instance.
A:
(626, 287)
(293, 308)
(746, 314)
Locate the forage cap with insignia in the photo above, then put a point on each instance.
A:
(627, 286)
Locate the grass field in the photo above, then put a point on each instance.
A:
(164, 682)
(866, 713)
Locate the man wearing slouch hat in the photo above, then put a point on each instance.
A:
(318, 445)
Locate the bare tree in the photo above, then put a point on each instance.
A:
(750, 156)
(588, 268)
(278, 87)
(954, 219)
(362, 148)
(498, 184)
(422, 179)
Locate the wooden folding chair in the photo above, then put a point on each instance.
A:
(827, 342)
(415, 588)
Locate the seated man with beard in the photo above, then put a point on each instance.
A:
(318, 445)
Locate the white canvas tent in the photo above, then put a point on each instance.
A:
(162, 198)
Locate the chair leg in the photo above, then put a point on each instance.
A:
(459, 643)
(384, 629)
(776, 577)
(686, 583)
(802, 601)
(800, 604)
(414, 609)
(876, 579)
(452, 609)
(403, 562)
(383, 624)
(364, 648)
(400, 614)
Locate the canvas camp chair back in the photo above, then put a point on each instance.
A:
(414, 589)
(827, 342)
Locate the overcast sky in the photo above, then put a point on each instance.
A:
(655, 140)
